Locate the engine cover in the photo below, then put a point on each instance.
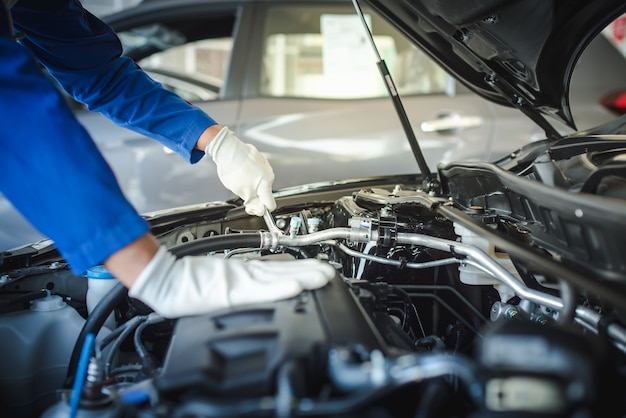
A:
(240, 352)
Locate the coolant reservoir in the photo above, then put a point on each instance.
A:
(35, 350)
(100, 282)
(474, 276)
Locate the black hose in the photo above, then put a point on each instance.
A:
(127, 328)
(217, 242)
(435, 401)
(568, 295)
(93, 324)
(146, 360)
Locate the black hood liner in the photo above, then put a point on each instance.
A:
(517, 53)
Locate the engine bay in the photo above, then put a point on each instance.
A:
(457, 304)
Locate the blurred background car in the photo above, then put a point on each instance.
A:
(298, 79)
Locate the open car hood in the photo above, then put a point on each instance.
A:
(515, 53)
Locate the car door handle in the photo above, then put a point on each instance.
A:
(451, 123)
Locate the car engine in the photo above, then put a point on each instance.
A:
(487, 299)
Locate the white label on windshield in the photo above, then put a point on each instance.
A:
(346, 48)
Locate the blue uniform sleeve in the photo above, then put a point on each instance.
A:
(83, 54)
(51, 170)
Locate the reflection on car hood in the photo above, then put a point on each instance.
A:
(515, 53)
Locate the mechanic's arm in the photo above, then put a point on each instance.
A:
(83, 54)
(52, 171)
(55, 176)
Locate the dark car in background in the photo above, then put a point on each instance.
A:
(299, 80)
(472, 288)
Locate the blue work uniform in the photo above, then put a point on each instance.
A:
(50, 168)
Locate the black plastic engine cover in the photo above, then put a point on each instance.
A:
(240, 352)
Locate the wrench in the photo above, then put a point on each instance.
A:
(269, 221)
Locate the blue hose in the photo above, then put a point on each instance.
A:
(81, 373)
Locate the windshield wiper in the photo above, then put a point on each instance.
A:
(430, 184)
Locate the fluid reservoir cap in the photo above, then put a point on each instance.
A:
(98, 272)
(313, 224)
(49, 303)
(295, 222)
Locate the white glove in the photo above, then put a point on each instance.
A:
(196, 285)
(243, 170)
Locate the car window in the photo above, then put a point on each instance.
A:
(598, 83)
(196, 69)
(324, 52)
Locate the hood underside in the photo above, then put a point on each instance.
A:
(512, 52)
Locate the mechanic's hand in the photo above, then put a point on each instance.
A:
(194, 285)
(243, 170)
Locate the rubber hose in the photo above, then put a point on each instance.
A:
(216, 243)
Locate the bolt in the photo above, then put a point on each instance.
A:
(511, 313)
(463, 35)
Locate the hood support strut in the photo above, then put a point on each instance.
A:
(430, 184)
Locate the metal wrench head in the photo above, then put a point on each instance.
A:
(271, 225)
